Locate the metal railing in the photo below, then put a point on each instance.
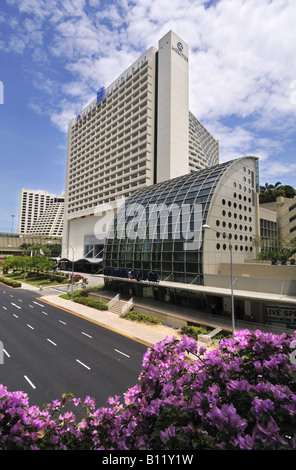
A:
(127, 306)
(113, 301)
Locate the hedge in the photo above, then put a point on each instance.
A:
(89, 302)
(10, 282)
(135, 316)
(193, 331)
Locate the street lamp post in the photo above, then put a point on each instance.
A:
(72, 270)
(72, 278)
(205, 226)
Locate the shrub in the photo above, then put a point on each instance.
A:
(241, 396)
(89, 302)
(135, 316)
(10, 282)
(193, 331)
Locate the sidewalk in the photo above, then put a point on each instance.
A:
(146, 334)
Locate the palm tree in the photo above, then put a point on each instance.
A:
(270, 187)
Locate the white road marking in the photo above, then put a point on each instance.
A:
(17, 306)
(86, 334)
(51, 341)
(38, 304)
(84, 365)
(15, 315)
(4, 350)
(45, 313)
(30, 326)
(62, 322)
(28, 380)
(121, 353)
(5, 308)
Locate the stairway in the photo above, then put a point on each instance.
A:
(119, 306)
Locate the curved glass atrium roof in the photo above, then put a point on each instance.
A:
(159, 228)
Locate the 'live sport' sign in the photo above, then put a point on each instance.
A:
(280, 313)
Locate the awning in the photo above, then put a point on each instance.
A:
(90, 260)
(218, 291)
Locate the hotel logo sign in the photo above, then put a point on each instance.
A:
(179, 50)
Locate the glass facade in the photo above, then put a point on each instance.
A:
(146, 240)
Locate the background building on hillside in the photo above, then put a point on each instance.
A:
(284, 209)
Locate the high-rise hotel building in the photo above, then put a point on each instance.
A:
(40, 213)
(136, 133)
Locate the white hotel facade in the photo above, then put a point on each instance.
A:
(40, 213)
(139, 131)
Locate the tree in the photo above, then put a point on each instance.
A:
(290, 192)
(274, 247)
(270, 187)
(270, 192)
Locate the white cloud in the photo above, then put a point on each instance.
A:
(242, 59)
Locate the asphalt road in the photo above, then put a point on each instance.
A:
(49, 351)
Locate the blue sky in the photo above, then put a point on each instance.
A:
(55, 55)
